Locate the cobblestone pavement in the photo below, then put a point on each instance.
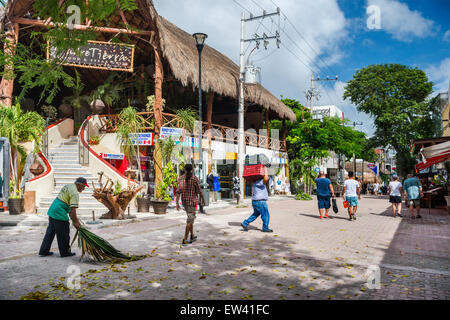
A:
(304, 258)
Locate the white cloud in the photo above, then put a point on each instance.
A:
(401, 22)
(440, 75)
(446, 36)
(322, 23)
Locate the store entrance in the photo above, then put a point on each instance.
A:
(226, 174)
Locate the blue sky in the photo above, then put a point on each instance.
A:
(325, 36)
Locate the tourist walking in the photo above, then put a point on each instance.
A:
(189, 190)
(324, 193)
(395, 196)
(259, 204)
(351, 193)
(237, 187)
(65, 205)
(376, 188)
(413, 193)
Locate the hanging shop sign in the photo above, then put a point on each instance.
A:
(143, 139)
(176, 134)
(373, 167)
(112, 156)
(97, 55)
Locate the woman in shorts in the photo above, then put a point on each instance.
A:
(395, 196)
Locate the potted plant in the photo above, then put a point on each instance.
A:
(16, 201)
(94, 140)
(143, 203)
(162, 197)
(20, 127)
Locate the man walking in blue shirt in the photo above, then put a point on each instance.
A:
(324, 192)
(413, 193)
(259, 198)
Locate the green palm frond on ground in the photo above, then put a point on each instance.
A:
(98, 248)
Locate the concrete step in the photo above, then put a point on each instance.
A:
(69, 170)
(81, 211)
(74, 175)
(60, 166)
(97, 205)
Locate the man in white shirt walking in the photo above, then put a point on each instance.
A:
(351, 193)
(395, 196)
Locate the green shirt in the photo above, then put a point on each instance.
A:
(69, 195)
(67, 198)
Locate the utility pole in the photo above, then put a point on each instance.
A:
(354, 157)
(257, 39)
(313, 92)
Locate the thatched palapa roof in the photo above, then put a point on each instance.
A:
(219, 73)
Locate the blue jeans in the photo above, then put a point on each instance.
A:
(259, 209)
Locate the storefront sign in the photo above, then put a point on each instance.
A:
(98, 55)
(177, 134)
(143, 139)
(112, 156)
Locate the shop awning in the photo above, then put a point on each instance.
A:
(434, 154)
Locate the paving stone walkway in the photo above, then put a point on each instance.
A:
(304, 258)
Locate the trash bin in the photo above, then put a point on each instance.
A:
(205, 189)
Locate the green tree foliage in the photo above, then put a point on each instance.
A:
(396, 97)
(309, 140)
(20, 127)
(29, 65)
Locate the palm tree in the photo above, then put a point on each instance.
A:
(129, 122)
(77, 100)
(20, 127)
(109, 92)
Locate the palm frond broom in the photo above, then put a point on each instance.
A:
(98, 248)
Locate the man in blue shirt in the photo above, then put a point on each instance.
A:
(324, 192)
(413, 193)
(259, 198)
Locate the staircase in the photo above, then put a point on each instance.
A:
(67, 169)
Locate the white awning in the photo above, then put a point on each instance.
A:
(437, 150)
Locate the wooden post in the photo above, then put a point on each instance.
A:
(209, 126)
(267, 130)
(157, 109)
(7, 85)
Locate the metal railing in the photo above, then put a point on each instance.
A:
(83, 152)
(109, 124)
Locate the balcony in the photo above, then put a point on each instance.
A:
(109, 124)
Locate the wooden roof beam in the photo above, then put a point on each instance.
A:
(41, 23)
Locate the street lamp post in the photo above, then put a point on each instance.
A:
(200, 41)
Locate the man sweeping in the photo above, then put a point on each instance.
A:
(65, 205)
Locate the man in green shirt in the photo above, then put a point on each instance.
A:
(65, 205)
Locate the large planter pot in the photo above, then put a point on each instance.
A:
(97, 106)
(16, 206)
(160, 207)
(130, 174)
(36, 169)
(143, 204)
(65, 110)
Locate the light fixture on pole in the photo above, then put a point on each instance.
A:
(200, 41)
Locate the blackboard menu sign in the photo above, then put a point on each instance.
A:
(98, 55)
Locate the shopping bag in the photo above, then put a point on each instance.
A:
(345, 204)
(335, 207)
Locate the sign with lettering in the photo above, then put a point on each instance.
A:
(98, 55)
(143, 139)
(112, 156)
